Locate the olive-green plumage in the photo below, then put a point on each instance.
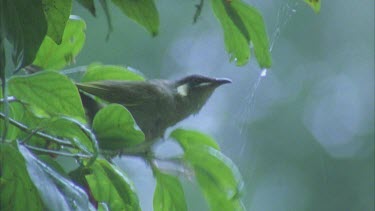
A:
(156, 104)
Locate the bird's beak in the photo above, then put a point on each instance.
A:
(221, 81)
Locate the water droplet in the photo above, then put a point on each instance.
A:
(263, 73)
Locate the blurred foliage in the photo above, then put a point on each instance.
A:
(23, 32)
(314, 4)
(169, 194)
(109, 185)
(16, 182)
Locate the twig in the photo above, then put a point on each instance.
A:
(8, 99)
(37, 133)
(104, 5)
(198, 11)
(29, 136)
(57, 152)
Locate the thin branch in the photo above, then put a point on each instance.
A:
(77, 155)
(37, 133)
(29, 136)
(198, 11)
(104, 5)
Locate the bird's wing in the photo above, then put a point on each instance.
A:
(128, 93)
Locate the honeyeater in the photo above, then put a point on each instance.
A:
(155, 104)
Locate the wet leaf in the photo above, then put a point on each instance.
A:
(191, 138)
(168, 194)
(143, 12)
(217, 176)
(50, 93)
(98, 72)
(15, 182)
(54, 57)
(111, 187)
(56, 191)
(115, 128)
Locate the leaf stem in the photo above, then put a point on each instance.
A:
(198, 11)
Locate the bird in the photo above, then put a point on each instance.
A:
(155, 104)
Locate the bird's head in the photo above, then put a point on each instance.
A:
(193, 91)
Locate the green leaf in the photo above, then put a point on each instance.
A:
(168, 194)
(24, 25)
(236, 43)
(89, 5)
(57, 14)
(22, 114)
(191, 138)
(242, 24)
(116, 128)
(16, 111)
(78, 176)
(111, 187)
(217, 176)
(72, 130)
(254, 24)
(54, 57)
(314, 4)
(48, 160)
(15, 182)
(143, 12)
(57, 192)
(98, 72)
(50, 92)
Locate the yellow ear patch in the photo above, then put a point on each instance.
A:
(183, 90)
